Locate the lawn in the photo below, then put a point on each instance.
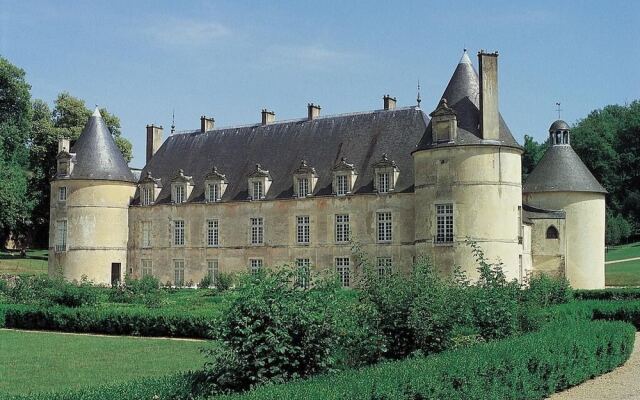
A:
(44, 361)
(34, 263)
(625, 273)
(630, 250)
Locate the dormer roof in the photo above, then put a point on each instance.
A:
(215, 175)
(343, 165)
(258, 172)
(181, 177)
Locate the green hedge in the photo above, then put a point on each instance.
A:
(530, 366)
(608, 294)
(138, 322)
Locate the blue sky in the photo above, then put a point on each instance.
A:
(230, 59)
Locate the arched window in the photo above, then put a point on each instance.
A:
(552, 232)
(565, 137)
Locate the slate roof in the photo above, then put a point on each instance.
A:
(362, 138)
(97, 156)
(561, 170)
(558, 125)
(530, 213)
(463, 95)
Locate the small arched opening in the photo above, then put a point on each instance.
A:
(552, 232)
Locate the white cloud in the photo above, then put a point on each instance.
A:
(181, 32)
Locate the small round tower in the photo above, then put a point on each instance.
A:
(561, 181)
(90, 196)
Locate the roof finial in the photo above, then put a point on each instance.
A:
(418, 99)
(173, 121)
(96, 112)
(558, 109)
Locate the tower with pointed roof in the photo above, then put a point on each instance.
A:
(561, 181)
(90, 196)
(467, 175)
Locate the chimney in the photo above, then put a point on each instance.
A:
(268, 117)
(489, 114)
(154, 140)
(389, 102)
(313, 111)
(206, 124)
(64, 145)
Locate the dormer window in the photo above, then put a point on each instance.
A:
(149, 189)
(304, 180)
(344, 177)
(181, 186)
(259, 183)
(386, 175)
(215, 184)
(66, 161)
(444, 123)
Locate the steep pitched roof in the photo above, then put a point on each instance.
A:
(97, 156)
(463, 96)
(530, 213)
(279, 148)
(561, 170)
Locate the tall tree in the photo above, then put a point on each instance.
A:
(533, 152)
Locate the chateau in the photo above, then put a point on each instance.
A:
(402, 182)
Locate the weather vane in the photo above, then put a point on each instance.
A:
(173, 121)
(558, 109)
(418, 99)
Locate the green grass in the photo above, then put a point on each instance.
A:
(34, 263)
(623, 274)
(624, 251)
(42, 361)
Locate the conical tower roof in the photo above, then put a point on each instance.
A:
(463, 96)
(97, 156)
(561, 170)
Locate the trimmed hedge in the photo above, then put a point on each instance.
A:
(608, 294)
(137, 322)
(530, 366)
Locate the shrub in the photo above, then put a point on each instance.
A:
(224, 282)
(43, 290)
(544, 290)
(530, 366)
(608, 294)
(138, 291)
(206, 281)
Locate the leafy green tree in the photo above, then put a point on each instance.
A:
(533, 152)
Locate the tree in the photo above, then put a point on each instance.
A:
(533, 152)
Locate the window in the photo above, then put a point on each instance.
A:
(180, 194)
(61, 235)
(146, 234)
(257, 190)
(62, 193)
(63, 168)
(344, 271)
(212, 270)
(342, 228)
(213, 235)
(342, 184)
(303, 269)
(178, 233)
(302, 229)
(257, 231)
(213, 192)
(178, 273)
(147, 268)
(444, 223)
(384, 179)
(384, 226)
(147, 196)
(255, 265)
(384, 266)
(552, 232)
(303, 187)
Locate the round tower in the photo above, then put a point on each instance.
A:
(468, 176)
(561, 181)
(89, 219)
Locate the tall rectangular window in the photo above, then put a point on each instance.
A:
(178, 273)
(303, 187)
(213, 192)
(213, 234)
(61, 235)
(384, 266)
(146, 234)
(62, 193)
(343, 270)
(257, 190)
(384, 227)
(147, 197)
(342, 228)
(212, 270)
(444, 223)
(255, 265)
(384, 179)
(302, 229)
(342, 184)
(178, 233)
(180, 194)
(257, 231)
(303, 272)
(147, 268)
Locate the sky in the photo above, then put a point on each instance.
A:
(143, 60)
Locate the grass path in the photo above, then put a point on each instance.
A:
(44, 361)
(620, 384)
(623, 260)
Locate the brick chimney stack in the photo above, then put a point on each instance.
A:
(313, 111)
(206, 124)
(154, 140)
(389, 102)
(268, 117)
(489, 114)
